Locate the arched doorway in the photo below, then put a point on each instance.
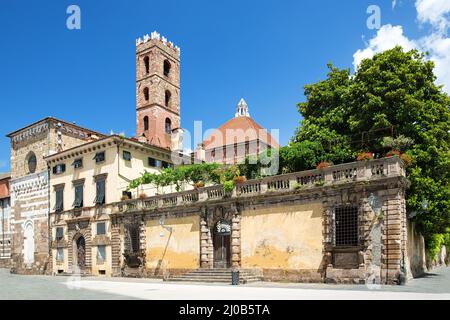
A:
(221, 242)
(29, 243)
(80, 252)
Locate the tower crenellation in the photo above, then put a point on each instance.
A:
(155, 36)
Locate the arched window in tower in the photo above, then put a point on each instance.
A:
(147, 64)
(146, 123)
(166, 67)
(167, 98)
(146, 95)
(168, 126)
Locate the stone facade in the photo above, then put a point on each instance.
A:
(117, 172)
(30, 188)
(157, 90)
(5, 223)
(284, 227)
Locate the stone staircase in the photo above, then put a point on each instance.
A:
(217, 275)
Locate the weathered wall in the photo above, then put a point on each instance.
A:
(29, 211)
(129, 170)
(119, 173)
(38, 144)
(283, 239)
(174, 252)
(416, 259)
(29, 190)
(5, 232)
(88, 172)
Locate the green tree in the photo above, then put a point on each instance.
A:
(299, 156)
(397, 90)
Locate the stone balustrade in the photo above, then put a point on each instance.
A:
(334, 175)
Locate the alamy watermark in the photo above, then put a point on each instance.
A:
(374, 20)
(73, 21)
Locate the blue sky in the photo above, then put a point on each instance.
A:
(264, 51)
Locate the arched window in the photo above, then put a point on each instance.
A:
(146, 96)
(167, 98)
(168, 126)
(166, 67)
(145, 123)
(147, 64)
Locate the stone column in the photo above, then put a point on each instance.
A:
(205, 245)
(392, 238)
(115, 247)
(236, 241)
(143, 246)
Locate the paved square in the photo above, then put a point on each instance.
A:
(435, 285)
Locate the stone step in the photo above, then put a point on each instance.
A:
(242, 281)
(221, 275)
(220, 272)
(197, 279)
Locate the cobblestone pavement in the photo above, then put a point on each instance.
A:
(434, 285)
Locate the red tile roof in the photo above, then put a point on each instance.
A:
(239, 130)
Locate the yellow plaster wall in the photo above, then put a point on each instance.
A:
(179, 250)
(282, 237)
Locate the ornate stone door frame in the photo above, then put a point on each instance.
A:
(210, 216)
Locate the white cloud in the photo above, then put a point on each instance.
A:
(438, 47)
(387, 37)
(434, 12)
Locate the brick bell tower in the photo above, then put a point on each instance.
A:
(157, 91)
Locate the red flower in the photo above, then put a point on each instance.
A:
(323, 165)
(364, 156)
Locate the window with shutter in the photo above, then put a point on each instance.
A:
(59, 206)
(78, 202)
(152, 162)
(77, 163)
(101, 228)
(59, 233)
(59, 168)
(166, 165)
(127, 156)
(99, 157)
(100, 197)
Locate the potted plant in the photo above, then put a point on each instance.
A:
(239, 179)
(393, 152)
(142, 196)
(228, 186)
(364, 156)
(199, 184)
(407, 159)
(124, 198)
(323, 165)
